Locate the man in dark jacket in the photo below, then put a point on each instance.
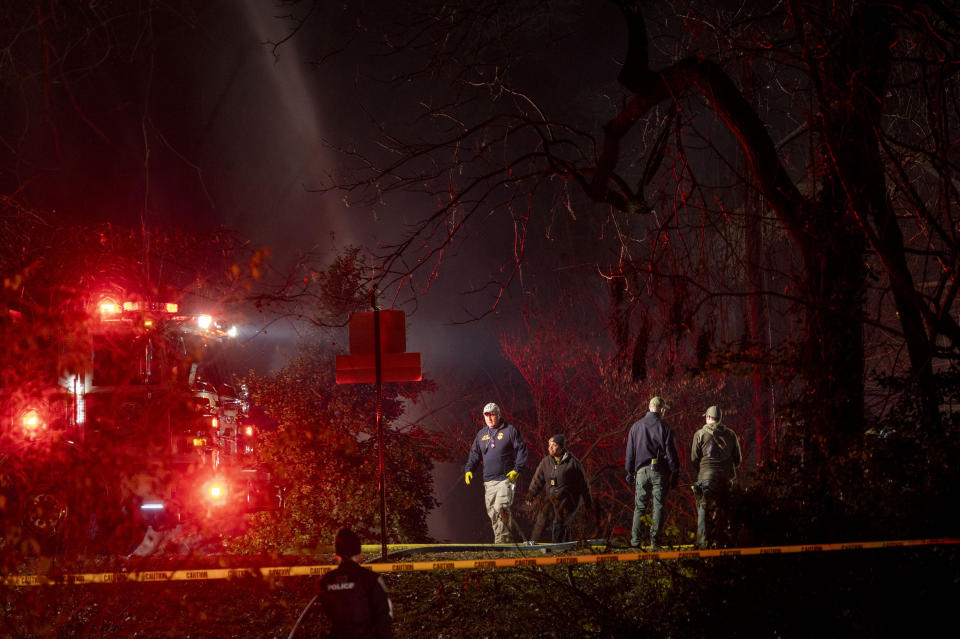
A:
(353, 597)
(565, 481)
(715, 454)
(652, 466)
(504, 452)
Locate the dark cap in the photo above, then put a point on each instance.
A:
(560, 441)
(346, 543)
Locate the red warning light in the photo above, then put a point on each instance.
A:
(215, 491)
(31, 420)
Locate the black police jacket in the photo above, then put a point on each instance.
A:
(356, 602)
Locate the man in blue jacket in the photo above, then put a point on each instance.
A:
(504, 452)
(652, 467)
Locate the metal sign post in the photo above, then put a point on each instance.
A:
(379, 375)
(378, 360)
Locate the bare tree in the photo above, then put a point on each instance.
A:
(837, 122)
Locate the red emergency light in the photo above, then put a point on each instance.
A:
(215, 491)
(31, 420)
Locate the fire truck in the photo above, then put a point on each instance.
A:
(130, 429)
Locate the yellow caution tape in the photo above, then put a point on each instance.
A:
(463, 564)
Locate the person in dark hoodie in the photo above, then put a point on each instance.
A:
(561, 476)
(715, 454)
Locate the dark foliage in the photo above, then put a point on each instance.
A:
(897, 483)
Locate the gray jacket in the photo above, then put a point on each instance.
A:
(715, 452)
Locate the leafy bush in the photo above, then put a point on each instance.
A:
(322, 450)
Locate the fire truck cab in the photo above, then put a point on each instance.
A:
(131, 434)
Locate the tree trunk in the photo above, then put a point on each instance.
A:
(759, 320)
(853, 82)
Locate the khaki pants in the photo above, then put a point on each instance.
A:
(498, 496)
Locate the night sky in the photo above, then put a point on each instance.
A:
(208, 125)
(238, 134)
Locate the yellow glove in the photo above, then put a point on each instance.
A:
(512, 476)
(468, 477)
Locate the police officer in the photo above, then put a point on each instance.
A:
(354, 598)
(504, 452)
(652, 466)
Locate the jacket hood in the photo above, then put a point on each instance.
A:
(714, 427)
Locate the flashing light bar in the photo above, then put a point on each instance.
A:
(204, 321)
(168, 307)
(109, 307)
(150, 505)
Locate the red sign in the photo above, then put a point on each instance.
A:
(360, 366)
(393, 332)
(394, 367)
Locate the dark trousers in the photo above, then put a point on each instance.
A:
(563, 516)
(713, 505)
